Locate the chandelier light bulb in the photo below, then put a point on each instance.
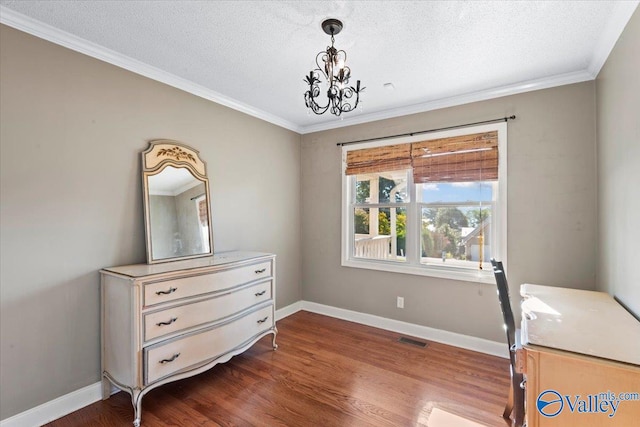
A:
(338, 63)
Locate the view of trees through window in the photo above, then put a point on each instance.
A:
(390, 191)
(445, 230)
(362, 226)
(455, 218)
(385, 187)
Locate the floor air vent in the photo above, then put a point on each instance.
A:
(412, 342)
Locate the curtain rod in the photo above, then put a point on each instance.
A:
(502, 119)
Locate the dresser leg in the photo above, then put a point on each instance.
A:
(136, 400)
(275, 332)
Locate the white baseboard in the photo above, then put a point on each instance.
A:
(85, 396)
(56, 408)
(451, 338)
(289, 310)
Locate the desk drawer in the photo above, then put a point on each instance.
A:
(165, 359)
(188, 315)
(170, 290)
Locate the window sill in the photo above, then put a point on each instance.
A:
(465, 275)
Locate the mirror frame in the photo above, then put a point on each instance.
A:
(160, 154)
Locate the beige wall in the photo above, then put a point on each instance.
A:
(618, 119)
(71, 202)
(551, 213)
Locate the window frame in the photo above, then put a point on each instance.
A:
(412, 265)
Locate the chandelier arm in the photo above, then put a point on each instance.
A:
(317, 109)
(311, 95)
(321, 56)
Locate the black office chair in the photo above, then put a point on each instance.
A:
(515, 404)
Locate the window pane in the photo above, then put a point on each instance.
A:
(456, 236)
(385, 187)
(447, 192)
(373, 237)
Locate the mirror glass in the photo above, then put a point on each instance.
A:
(178, 222)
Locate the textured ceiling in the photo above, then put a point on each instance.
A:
(253, 55)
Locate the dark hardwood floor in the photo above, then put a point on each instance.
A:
(326, 372)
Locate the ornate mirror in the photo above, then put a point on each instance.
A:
(176, 202)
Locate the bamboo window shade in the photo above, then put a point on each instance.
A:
(463, 158)
(379, 159)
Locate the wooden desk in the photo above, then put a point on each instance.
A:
(582, 349)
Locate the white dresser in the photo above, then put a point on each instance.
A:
(164, 322)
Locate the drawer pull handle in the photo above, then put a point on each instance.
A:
(173, 319)
(175, 356)
(171, 290)
(263, 320)
(259, 294)
(262, 270)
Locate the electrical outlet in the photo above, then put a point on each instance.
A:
(400, 302)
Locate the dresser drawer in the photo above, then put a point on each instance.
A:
(165, 359)
(170, 290)
(223, 305)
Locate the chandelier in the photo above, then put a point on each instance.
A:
(341, 98)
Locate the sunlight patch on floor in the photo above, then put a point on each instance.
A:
(441, 418)
(432, 416)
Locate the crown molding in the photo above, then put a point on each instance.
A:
(497, 92)
(78, 44)
(614, 27)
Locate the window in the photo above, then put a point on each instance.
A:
(431, 205)
(203, 221)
